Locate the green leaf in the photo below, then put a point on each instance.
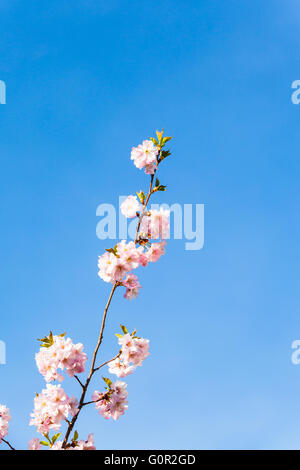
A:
(164, 154)
(159, 136)
(161, 188)
(154, 141)
(118, 335)
(47, 341)
(75, 436)
(107, 381)
(114, 251)
(55, 437)
(124, 329)
(44, 443)
(156, 182)
(133, 333)
(165, 140)
(142, 196)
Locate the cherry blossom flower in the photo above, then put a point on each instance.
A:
(79, 445)
(52, 406)
(112, 404)
(156, 224)
(134, 349)
(120, 368)
(156, 251)
(144, 155)
(34, 444)
(62, 354)
(130, 207)
(4, 421)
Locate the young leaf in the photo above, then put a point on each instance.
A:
(44, 443)
(165, 140)
(124, 329)
(154, 141)
(142, 196)
(159, 136)
(75, 436)
(55, 437)
(107, 381)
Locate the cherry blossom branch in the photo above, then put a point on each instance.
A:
(79, 381)
(107, 362)
(9, 445)
(92, 369)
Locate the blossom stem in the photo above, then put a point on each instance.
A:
(79, 381)
(107, 362)
(9, 445)
(92, 369)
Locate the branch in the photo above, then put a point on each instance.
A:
(9, 445)
(85, 387)
(79, 381)
(107, 362)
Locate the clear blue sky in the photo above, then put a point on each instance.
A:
(86, 80)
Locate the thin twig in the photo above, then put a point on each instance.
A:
(107, 362)
(79, 381)
(9, 445)
(72, 423)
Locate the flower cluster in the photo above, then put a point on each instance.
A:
(58, 352)
(145, 156)
(35, 444)
(51, 406)
(134, 351)
(4, 420)
(112, 403)
(117, 262)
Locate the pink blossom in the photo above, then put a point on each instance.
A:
(130, 207)
(132, 284)
(134, 350)
(4, 421)
(79, 445)
(114, 266)
(34, 444)
(156, 251)
(144, 155)
(156, 225)
(63, 354)
(51, 407)
(113, 403)
(120, 368)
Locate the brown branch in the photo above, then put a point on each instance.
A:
(79, 381)
(9, 445)
(107, 362)
(92, 370)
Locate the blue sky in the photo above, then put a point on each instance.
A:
(85, 82)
